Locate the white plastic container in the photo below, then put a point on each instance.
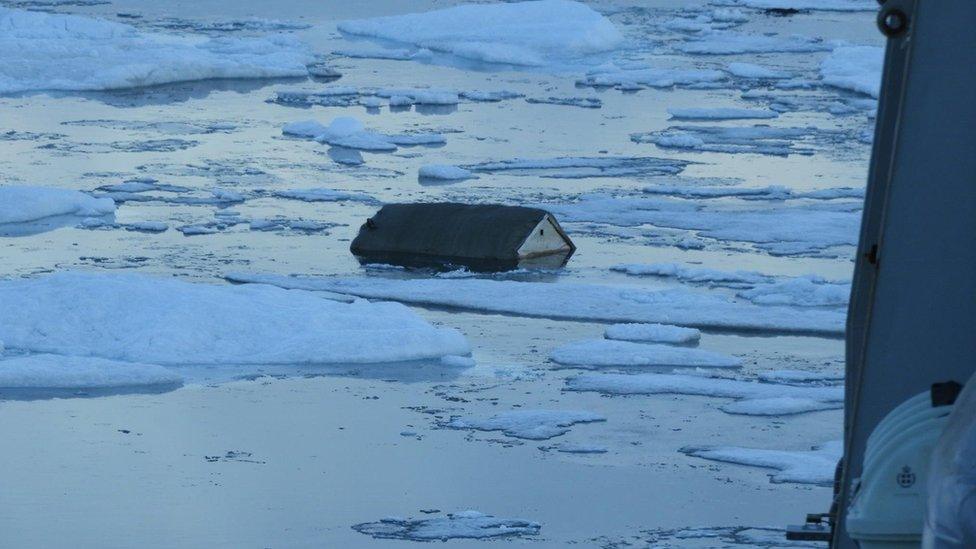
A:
(889, 500)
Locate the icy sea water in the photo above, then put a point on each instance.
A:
(297, 457)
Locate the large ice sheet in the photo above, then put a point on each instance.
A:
(40, 51)
(22, 204)
(856, 68)
(140, 318)
(572, 301)
(524, 33)
(45, 371)
(814, 466)
(602, 353)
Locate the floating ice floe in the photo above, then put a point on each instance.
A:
(722, 113)
(573, 302)
(751, 70)
(771, 192)
(463, 525)
(635, 77)
(23, 204)
(349, 133)
(766, 140)
(800, 376)
(856, 68)
(324, 195)
(608, 353)
(249, 25)
(801, 291)
(528, 424)
(581, 166)
(158, 126)
(700, 275)
(725, 43)
(376, 52)
(334, 96)
(754, 398)
(444, 172)
(490, 96)
(762, 289)
(277, 224)
(40, 51)
(789, 230)
(804, 5)
(585, 102)
(422, 96)
(45, 371)
(166, 321)
(544, 32)
(574, 448)
(814, 466)
(136, 191)
(652, 333)
(727, 537)
(139, 226)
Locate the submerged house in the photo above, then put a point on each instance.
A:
(484, 237)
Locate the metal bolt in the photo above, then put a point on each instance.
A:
(892, 22)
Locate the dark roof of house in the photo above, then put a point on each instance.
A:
(448, 229)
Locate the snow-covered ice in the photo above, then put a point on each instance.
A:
(720, 113)
(165, 321)
(632, 78)
(324, 195)
(751, 70)
(463, 525)
(800, 376)
(534, 33)
(725, 43)
(856, 68)
(609, 353)
(45, 371)
(572, 167)
(41, 51)
(753, 397)
(769, 140)
(572, 301)
(652, 333)
(444, 172)
(573, 101)
(789, 230)
(350, 133)
(23, 204)
(805, 5)
(778, 406)
(801, 291)
(815, 466)
(686, 273)
(528, 424)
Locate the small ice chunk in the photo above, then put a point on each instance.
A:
(814, 466)
(724, 113)
(401, 101)
(444, 172)
(371, 102)
(856, 68)
(306, 128)
(463, 525)
(575, 448)
(528, 424)
(146, 226)
(726, 43)
(490, 96)
(652, 333)
(800, 376)
(687, 273)
(751, 70)
(597, 353)
(457, 361)
(801, 291)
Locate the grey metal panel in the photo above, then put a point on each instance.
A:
(912, 317)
